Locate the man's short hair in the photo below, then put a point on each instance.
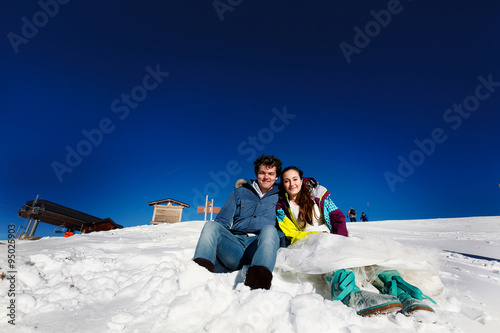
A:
(269, 161)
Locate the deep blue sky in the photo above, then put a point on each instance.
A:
(349, 121)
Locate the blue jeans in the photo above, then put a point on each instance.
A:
(234, 251)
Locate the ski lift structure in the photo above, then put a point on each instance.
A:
(38, 210)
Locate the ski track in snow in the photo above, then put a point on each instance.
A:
(142, 279)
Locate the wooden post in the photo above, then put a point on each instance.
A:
(206, 204)
(211, 210)
(209, 205)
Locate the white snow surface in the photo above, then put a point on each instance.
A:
(142, 279)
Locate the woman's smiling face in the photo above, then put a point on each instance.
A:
(292, 182)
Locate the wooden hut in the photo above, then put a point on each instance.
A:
(167, 213)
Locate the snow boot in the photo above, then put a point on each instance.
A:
(205, 263)
(258, 277)
(365, 303)
(391, 282)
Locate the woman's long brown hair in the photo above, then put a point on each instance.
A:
(304, 200)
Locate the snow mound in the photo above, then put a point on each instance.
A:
(142, 279)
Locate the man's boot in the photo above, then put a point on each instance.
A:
(258, 277)
(205, 263)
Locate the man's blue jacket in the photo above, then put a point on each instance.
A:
(245, 212)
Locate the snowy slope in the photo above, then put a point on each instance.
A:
(141, 279)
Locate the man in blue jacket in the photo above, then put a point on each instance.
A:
(244, 232)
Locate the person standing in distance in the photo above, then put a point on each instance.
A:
(245, 231)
